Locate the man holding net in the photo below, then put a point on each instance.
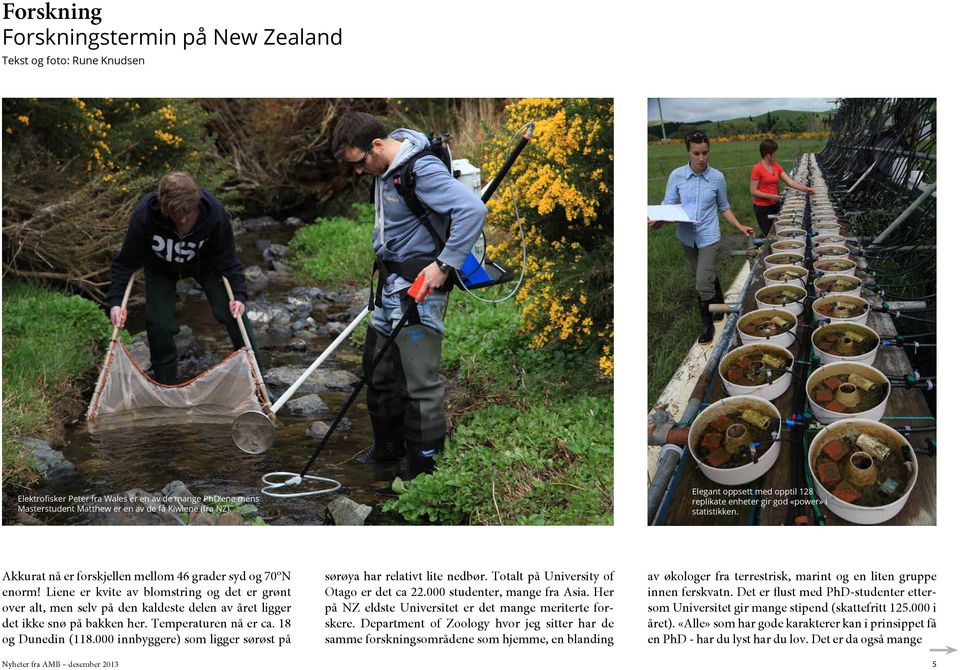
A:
(179, 231)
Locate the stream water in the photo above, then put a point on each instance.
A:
(200, 452)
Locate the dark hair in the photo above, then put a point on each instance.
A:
(696, 137)
(178, 194)
(356, 129)
(767, 147)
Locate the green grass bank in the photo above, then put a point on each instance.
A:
(52, 344)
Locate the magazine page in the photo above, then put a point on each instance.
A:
(308, 336)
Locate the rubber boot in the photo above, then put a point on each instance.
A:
(384, 402)
(717, 299)
(421, 458)
(388, 444)
(706, 321)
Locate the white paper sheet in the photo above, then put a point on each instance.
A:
(668, 213)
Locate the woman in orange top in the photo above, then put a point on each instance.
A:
(764, 180)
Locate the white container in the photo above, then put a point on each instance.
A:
(467, 174)
(744, 473)
(783, 339)
(795, 307)
(831, 251)
(825, 415)
(847, 266)
(787, 223)
(832, 299)
(825, 228)
(768, 391)
(792, 234)
(799, 280)
(773, 260)
(840, 328)
(822, 240)
(827, 280)
(788, 247)
(851, 511)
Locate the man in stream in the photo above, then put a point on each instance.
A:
(702, 193)
(405, 397)
(174, 232)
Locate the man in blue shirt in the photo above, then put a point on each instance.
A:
(702, 193)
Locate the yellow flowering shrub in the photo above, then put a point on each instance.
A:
(563, 190)
(113, 136)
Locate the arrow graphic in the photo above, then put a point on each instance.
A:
(948, 649)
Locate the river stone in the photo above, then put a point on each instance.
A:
(189, 286)
(293, 221)
(304, 324)
(137, 502)
(184, 339)
(49, 462)
(231, 518)
(299, 307)
(282, 269)
(256, 279)
(309, 406)
(345, 512)
(140, 351)
(296, 344)
(307, 335)
(268, 315)
(202, 518)
(318, 429)
(311, 292)
(260, 223)
(274, 251)
(320, 380)
(333, 328)
(178, 497)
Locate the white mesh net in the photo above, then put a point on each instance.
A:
(226, 390)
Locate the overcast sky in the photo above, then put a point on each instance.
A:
(719, 109)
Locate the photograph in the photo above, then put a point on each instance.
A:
(273, 311)
(792, 297)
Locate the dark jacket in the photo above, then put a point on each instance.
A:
(152, 240)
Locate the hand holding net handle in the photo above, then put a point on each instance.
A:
(246, 343)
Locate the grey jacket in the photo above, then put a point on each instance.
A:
(398, 234)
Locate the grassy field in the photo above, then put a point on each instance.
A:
(672, 317)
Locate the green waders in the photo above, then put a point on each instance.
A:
(405, 398)
(161, 290)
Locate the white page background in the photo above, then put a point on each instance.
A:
(498, 49)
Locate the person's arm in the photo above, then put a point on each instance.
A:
(227, 263)
(792, 184)
(729, 216)
(128, 261)
(757, 193)
(437, 189)
(670, 197)
(723, 206)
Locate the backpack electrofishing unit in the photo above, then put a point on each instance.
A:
(477, 271)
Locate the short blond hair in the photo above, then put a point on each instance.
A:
(179, 195)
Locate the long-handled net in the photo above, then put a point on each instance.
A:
(229, 388)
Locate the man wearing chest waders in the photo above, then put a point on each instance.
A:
(405, 397)
(178, 231)
(702, 193)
